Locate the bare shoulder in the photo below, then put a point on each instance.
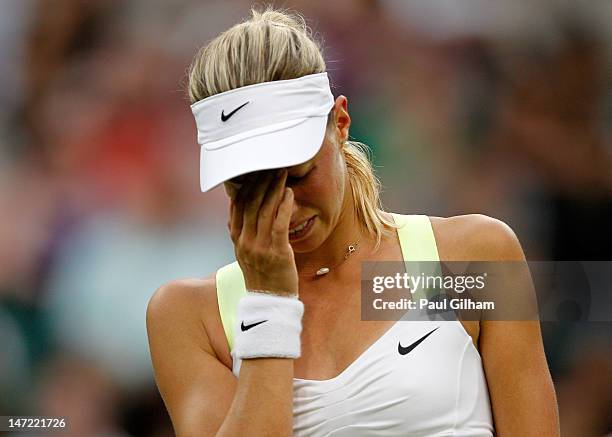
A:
(187, 297)
(475, 237)
(197, 386)
(511, 350)
(186, 310)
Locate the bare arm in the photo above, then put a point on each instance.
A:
(520, 386)
(202, 395)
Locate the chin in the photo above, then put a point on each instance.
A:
(310, 242)
(306, 245)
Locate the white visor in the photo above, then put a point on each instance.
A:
(262, 126)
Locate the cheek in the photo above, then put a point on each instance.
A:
(337, 180)
(325, 192)
(326, 187)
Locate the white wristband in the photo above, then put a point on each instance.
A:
(268, 326)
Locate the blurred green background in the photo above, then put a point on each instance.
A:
(469, 106)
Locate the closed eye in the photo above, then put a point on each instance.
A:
(292, 180)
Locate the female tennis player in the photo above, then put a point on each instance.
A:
(274, 344)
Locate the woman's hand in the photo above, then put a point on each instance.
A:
(260, 214)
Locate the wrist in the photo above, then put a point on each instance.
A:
(273, 293)
(268, 325)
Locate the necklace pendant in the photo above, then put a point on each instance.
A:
(349, 251)
(322, 271)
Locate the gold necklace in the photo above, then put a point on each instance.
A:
(325, 270)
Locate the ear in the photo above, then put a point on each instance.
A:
(342, 119)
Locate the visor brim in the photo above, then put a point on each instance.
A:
(278, 149)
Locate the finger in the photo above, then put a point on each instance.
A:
(280, 227)
(253, 203)
(269, 205)
(231, 188)
(229, 216)
(235, 223)
(239, 201)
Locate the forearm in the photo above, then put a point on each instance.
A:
(520, 386)
(270, 322)
(263, 402)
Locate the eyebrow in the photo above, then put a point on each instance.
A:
(239, 180)
(308, 164)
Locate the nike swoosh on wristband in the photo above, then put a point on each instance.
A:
(244, 327)
(226, 117)
(404, 350)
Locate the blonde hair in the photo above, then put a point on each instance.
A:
(278, 45)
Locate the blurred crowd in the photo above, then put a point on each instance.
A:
(468, 106)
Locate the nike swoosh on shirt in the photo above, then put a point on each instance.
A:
(244, 327)
(226, 117)
(404, 350)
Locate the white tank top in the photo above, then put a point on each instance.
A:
(437, 388)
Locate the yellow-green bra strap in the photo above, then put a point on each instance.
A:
(418, 243)
(416, 238)
(230, 288)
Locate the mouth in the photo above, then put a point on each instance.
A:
(301, 229)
